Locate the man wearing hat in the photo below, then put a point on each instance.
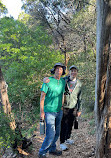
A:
(72, 102)
(50, 110)
(71, 106)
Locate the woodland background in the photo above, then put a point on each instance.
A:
(46, 33)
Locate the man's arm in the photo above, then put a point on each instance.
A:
(63, 100)
(79, 103)
(42, 98)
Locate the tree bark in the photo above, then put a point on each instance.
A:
(4, 101)
(103, 80)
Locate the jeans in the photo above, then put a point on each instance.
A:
(53, 125)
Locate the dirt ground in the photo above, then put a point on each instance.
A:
(83, 146)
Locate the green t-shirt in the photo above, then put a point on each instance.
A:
(54, 92)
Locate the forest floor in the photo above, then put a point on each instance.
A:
(83, 147)
(84, 141)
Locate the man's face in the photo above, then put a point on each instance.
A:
(73, 73)
(58, 71)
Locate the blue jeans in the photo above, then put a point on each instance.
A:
(53, 125)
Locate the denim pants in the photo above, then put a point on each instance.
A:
(53, 126)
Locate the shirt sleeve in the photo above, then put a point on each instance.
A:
(79, 101)
(79, 98)
(44, 88)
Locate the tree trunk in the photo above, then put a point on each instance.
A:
(103, 80)
(84, 41)
(64, 51)
(5, 101)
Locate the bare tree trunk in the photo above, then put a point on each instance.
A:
(5, 101)
(64, 51)
(103, 80)
(84, 41)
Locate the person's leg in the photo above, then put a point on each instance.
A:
(70, 123)
(57, 130)
(64, 125)
(50, 133)
(64, 129)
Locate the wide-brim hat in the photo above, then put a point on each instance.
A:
(73, 67)
(58, 64)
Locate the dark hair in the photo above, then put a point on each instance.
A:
(58, 64)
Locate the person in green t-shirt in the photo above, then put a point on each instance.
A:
(50, 110)
(71, 106)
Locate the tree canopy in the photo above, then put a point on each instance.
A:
(3, 9)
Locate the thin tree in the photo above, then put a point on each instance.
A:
(4, 100)
(103, 80)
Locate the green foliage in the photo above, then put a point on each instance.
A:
(3, 9)
(87, 72)
(84, 25)
(83, 22)
(23, 17)
(7, 135)
(93, 131)
(26, 57)
(92, 122)
(92, 127)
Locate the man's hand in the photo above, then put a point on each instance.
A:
(46, 80)
(78, 114)
(62, 107)
(42, 115)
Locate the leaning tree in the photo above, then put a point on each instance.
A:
(103, 80)
(4, 101)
